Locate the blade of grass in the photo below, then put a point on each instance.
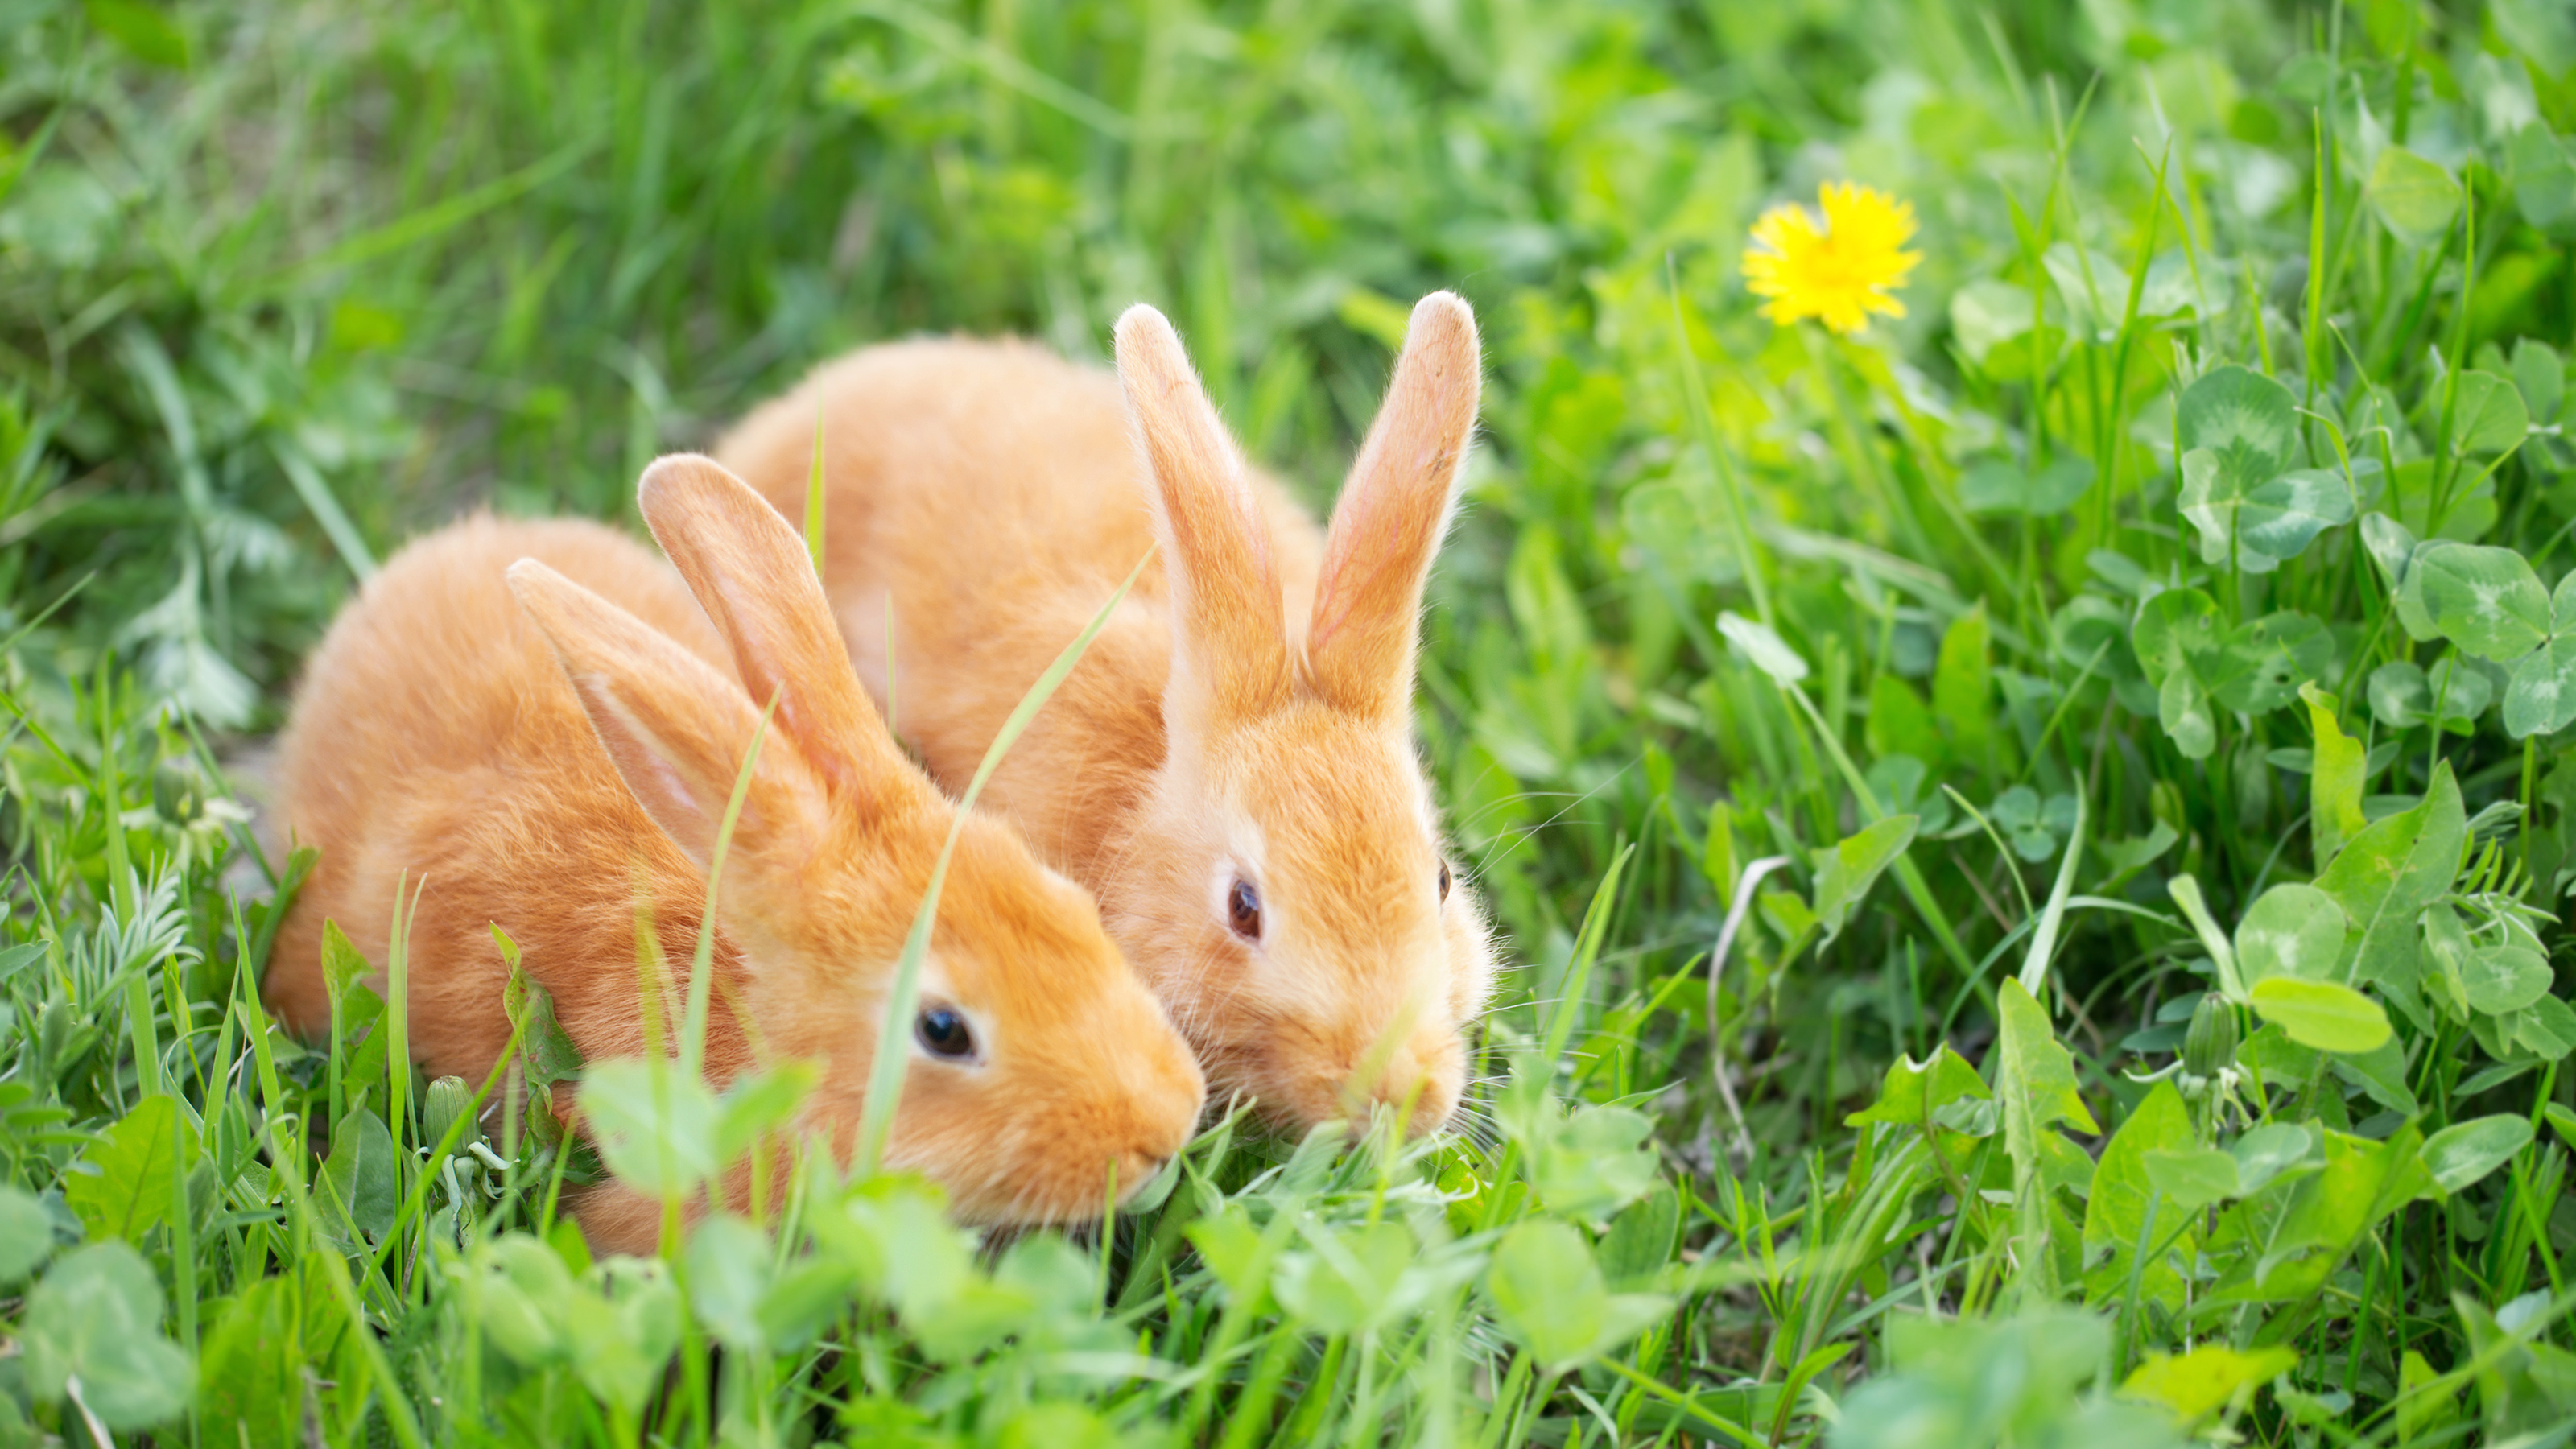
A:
(2043, 942)
(885, 1073)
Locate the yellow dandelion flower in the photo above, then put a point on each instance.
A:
(1837, 272)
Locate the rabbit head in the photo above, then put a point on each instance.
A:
(1039, 1063)
(1284, 884)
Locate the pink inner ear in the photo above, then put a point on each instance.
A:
(644, 763)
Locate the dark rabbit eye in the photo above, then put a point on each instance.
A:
(1444, 882)
(1243, 910)
(943, 1032)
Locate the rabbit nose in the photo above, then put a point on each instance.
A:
(1412, 1081)
(1137, 1168)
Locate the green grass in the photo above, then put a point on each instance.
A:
(2130, 1047)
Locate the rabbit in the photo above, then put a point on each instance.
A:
(1230, 767)
(544, 723)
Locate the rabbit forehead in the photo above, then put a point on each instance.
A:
(1310, 780)
(1022, 942)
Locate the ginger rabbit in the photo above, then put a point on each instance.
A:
(538, 720)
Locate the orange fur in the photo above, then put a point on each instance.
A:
(1234, 718)
(547, 764)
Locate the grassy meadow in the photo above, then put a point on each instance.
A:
(2032, 839)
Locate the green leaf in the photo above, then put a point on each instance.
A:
(2447, 950)
(517, 1288)
(2263, 663)
(26, 1234)
(2193, 1177)
(128, 1180)
(655, 1126)
(1845, 873)
(2271, 1054)
(2273, 1152)
(759, 1101)
(363, 1173)
(2464, 1152)
(2544, 179)
(2563, 1119)
(730, 1270)
(2460, 692)
(1911, 1094)
(2255, 524)
(2292, 930)
(2239, 434)
(2179, 631)
(2498, 979)
(2391, 871)
(2198, 1384)
(141, 30)
(1347, 1285)
(1963, 684)
(2321, 1014)
(2486, 600)
(1986, 314)
(1787, 914)
(2416, 199)
(1763, 648)
(1549, 1296)
(2540, 375)
(2337, 767)
(2400, 698)
(1595, 1162)
(626, 1323)
(258, 1350)
(1231, 1247)
(2540, 699)
(2381, 1073)
(1682, 529)
(2182, 708)
(2115, 1212)
(2249, 420)
(18, 958)
(2327, 1212)
(2037, 1087)
(2038, 1073)
(1641, 1239)
(343, 965)
(97, 1315)
(2001, 486)
(2546, 1027)
(1899, 723)
(2488, 415)
(550, 1054)
(2391, 547)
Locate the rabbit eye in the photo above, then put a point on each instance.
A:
(1243, 910)
(942, 1032)
(1444, 882)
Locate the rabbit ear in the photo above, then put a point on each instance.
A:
(1225, 587)
(1359, 644)
(753, 576)
(676, 729)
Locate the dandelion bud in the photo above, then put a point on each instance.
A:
(448, 1100)
(2211, 1042)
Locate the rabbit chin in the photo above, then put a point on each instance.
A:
(1297, 1075)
